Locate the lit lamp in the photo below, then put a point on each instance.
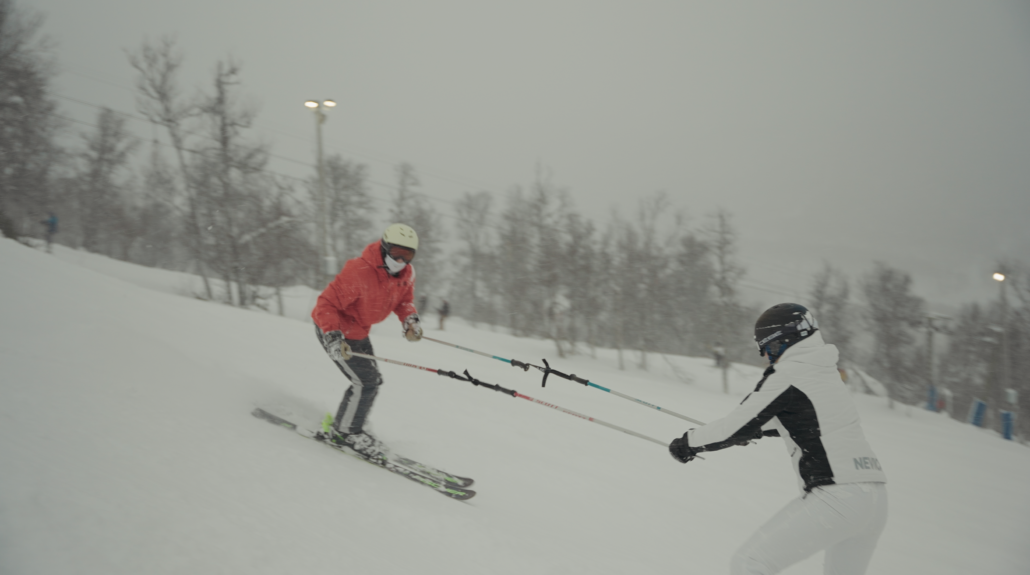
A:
(1006, 417)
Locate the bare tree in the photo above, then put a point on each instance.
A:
(232, 187)
(161, 102)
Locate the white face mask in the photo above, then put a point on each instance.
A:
(393, 265)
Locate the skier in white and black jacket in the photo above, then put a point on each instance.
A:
(801, 398)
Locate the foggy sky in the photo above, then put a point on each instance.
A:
(884, 130)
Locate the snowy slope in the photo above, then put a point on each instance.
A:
(127, 447)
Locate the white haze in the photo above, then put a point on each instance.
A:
(845, 133)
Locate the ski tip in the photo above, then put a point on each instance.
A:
(272, 418)
(459, 494)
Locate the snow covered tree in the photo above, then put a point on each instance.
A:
(515, 275)
(644, 257)
(28, 123)
(584, 280)
(830, 295)
(892, 317)
(692, 295)
(965, 368)
(730, 321)
(161, 236)
(412, 208)
(350, 206)
(469, 288)
(548, 206)
(101, 187)
(530, 261)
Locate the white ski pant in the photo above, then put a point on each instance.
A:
(844, 520)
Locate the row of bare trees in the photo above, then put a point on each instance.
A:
(646, 284)
(651, 283)
(890, 332)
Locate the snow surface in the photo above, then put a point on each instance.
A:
(127, 446)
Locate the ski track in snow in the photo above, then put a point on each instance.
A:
(128, 447)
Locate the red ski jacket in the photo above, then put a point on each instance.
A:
(363, 294)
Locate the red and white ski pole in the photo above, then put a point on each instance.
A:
(467, 377)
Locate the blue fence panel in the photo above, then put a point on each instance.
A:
(1008, 424)
(977, 412)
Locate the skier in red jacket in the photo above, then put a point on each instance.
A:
(363, 294)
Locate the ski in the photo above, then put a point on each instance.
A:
(449, 485)
(439, 474)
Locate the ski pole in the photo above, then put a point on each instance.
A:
(513, 362)
(571, 377)
(468, 377)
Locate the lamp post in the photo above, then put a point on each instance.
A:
(325, 251)
(935, 323)
(1003, 373)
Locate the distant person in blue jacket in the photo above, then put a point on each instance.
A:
(51, 228)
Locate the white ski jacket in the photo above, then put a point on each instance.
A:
(803, 400)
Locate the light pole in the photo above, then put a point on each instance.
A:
(934, 324)
(1003, 373)
(326, 255)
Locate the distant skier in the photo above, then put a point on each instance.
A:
(843, 504)
(51, 228)
(444, 311)
(719, 354)
(363, 294)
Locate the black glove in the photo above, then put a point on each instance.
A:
(753, 437)
(681, 450)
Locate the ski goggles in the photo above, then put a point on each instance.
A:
(401, 253)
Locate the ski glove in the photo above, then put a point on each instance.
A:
(413, 328)
(681, 450)
(336, 346)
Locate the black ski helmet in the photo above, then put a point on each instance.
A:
(781, 326)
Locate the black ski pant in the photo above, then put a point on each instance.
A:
(365, 380)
